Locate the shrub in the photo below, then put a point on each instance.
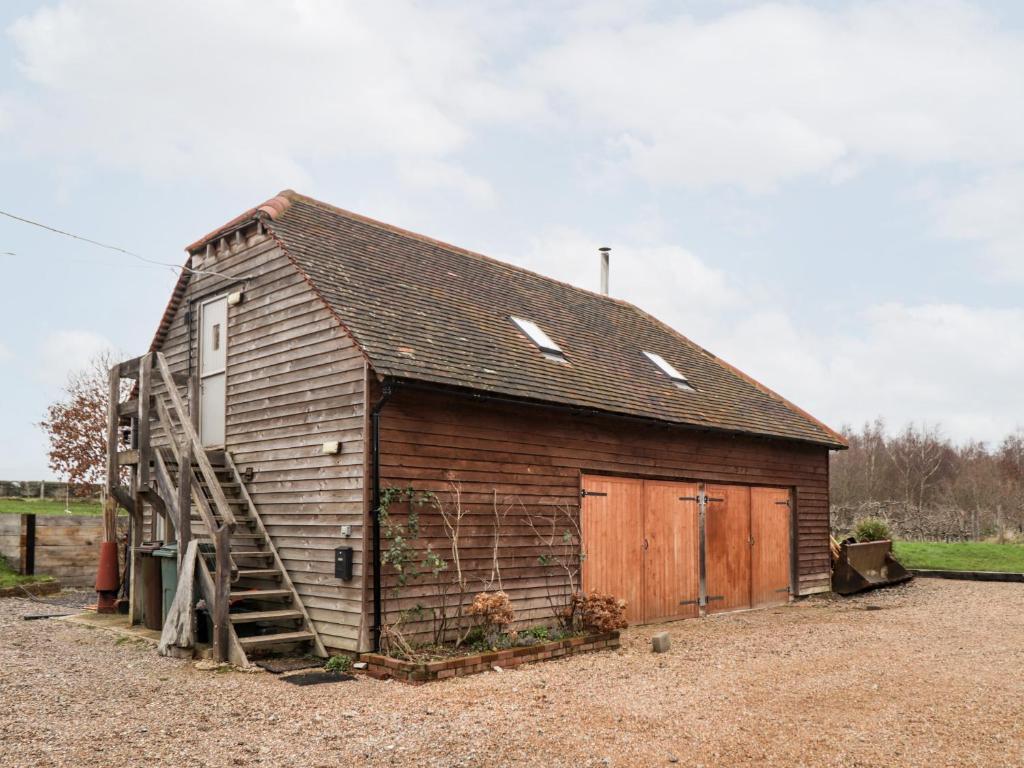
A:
(602, 613)
(871, 529)
(540, 633)
(494, 611)
(338, 663)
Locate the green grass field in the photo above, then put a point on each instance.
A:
(9, 578)
(960, 556)
(47, 507)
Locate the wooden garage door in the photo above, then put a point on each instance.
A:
(641, 543)
(612, 524)
(727, 547)
(769, 550)
(671, 572)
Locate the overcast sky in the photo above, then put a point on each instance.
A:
(828, 195)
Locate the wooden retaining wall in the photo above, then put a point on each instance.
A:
(66, 548)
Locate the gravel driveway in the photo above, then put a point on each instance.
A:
(934, 677)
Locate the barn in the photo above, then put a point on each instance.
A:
(312, 362)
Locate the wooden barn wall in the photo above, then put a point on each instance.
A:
(294, 380)
(533, 459)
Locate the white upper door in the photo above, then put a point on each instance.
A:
(213, 346)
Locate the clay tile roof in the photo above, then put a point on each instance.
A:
(424, 310)
(427, 311)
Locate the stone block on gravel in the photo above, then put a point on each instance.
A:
(661, 642)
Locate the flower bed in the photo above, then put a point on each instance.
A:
(414, 672)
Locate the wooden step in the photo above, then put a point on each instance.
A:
(260, 594)
(257, 641)
(247, 556)
(260, 573)
(247, 617)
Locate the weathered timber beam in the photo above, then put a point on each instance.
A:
(128, 408)
(125, 458)
(124, 498)
(129, 369)
(113, 395)
(142, 429)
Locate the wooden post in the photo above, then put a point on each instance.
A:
(28, 544)
(185, 475)
(113, 471)
(110, 518)
(222, 591)
(135, 583)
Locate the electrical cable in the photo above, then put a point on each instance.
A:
(117, 248)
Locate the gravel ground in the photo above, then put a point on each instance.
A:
(929, 674)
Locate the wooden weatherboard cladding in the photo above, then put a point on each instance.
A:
(536, 457)
(295, 379)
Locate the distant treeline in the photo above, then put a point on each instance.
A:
(46, 489)
(928, 488)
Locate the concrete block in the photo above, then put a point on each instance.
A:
(661, 642)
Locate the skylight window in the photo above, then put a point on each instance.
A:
(669, 370)
(538, 337)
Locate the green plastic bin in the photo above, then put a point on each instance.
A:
(168, 555)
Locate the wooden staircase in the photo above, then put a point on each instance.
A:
(200, 494)
(265, 612)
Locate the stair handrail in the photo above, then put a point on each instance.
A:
(205, 513)
(198, 450)
(255, 515)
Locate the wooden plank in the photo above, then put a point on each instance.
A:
(613, 541)
(113, 396)
(127, 458)
(727, 547)
(769, 554)
(221, 596)
(145, 449)
(671, 577)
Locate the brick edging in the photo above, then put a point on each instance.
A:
(383, 667)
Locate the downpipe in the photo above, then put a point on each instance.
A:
(386, 392)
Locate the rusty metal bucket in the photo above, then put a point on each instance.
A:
(866, 566)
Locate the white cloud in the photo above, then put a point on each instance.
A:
(254, 92)
(989, 211)
(765, 94)
(5, 352)
(63, 352)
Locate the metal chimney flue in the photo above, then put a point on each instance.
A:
(604, 250)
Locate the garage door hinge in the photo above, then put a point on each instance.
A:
(584, 493)
(689, 602)
(709, 598)
(784, 589)
(689, 498)
(784, 503)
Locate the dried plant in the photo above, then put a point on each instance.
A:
(494, 612)
(600, 612)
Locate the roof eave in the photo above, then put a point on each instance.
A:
(494, 395)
